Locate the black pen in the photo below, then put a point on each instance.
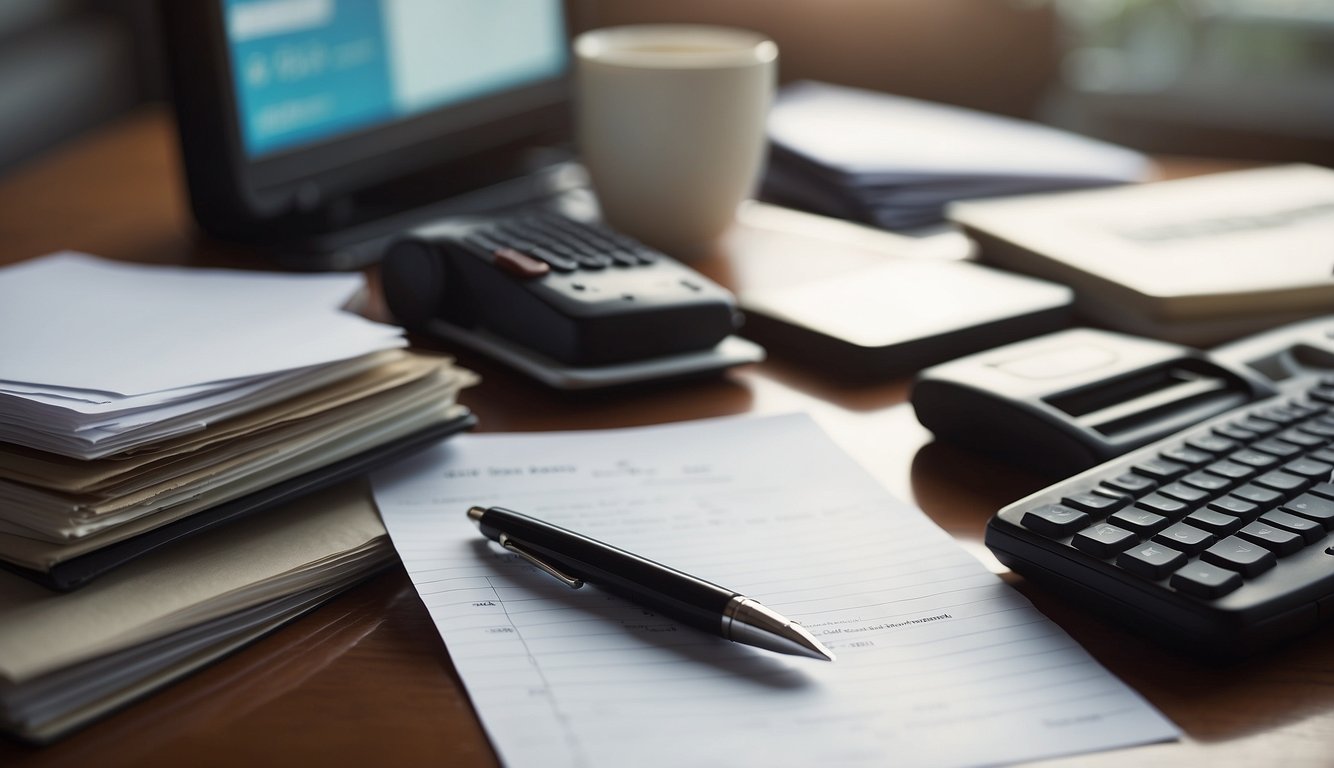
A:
(574, 558)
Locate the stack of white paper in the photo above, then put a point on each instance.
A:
(897, 162)
(102, 357)
(133, 396)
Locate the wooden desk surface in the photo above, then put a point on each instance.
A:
(366, 679)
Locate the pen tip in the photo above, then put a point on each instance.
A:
(475, 514)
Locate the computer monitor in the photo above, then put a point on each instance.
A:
(310, 125)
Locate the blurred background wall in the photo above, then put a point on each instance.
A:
(1240, 78)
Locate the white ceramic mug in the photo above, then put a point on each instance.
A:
(671, 126)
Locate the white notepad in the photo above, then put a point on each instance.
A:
(939, 662)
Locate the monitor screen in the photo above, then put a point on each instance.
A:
(310, 71)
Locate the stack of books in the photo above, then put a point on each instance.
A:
(142, 405)
(896, 162)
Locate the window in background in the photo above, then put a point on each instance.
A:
(1246, 77)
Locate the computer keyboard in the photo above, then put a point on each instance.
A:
(1217, 539)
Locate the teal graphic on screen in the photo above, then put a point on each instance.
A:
(307, 71)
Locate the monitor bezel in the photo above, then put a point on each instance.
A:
(309, 189)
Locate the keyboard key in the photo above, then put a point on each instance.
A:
(1258, 426)
(1162, 505)
(1231, 470)
(1161, 470)
(1095, 504)
(1276, 540)
(1240, 555)
(1235, 507)
(1183, 492)
(1207, 482)
(1191, 457)
(1103, 540)
(1283, 482)
(1257, 459)
(1213, 521)
(1134, 485)
(1310, 468)
(1309, 530)
(1235, 432)
(1317, 428)
(1186, 538)
(1152, 561)
(1211, 443)
(1264, 498)
(1324, 454)
(1324, 489)
(1284, 414)
(1055, 520)
(1313, 507)
(1304, 439)
(1141, 521)
(1205, 580)
(1278, 448)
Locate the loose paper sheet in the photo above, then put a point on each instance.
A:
(939, 662)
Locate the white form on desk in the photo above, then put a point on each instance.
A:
(939, 662)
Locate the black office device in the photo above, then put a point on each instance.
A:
(1217, 539)
(1065, 401)
(315, 130)
(574, 292)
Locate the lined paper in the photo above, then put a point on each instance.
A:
(939, 662)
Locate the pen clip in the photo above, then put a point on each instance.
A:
(570, 581)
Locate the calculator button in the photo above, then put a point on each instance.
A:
(1278, 448)
(593, 260)
(1211, 443)
(1152, 561)
(1183, 492)
(1205, 580)
(1162, 505)
(1140, 521)
(1264, 498)
(1184, 454)
(1256, 459)
(551, 257)
(623, 258)
(1132, 484)
(1309, 530)
(646, 256)
(1276, 540)
(1235, 432)
(1103, 540)
(1283, 482)
(1317, 428)
(1207, 482)
(1235, 507)
(1161, 470)
(1304, 439)
(1095, 504)
(1186, 538)
(1055, 520)
(1316, 470)
(1313, 507)
(1213, 521)
(1231, 470)
(519, 264)
(1240, 555)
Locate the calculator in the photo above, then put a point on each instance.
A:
(572, 291)
(1217, 539)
